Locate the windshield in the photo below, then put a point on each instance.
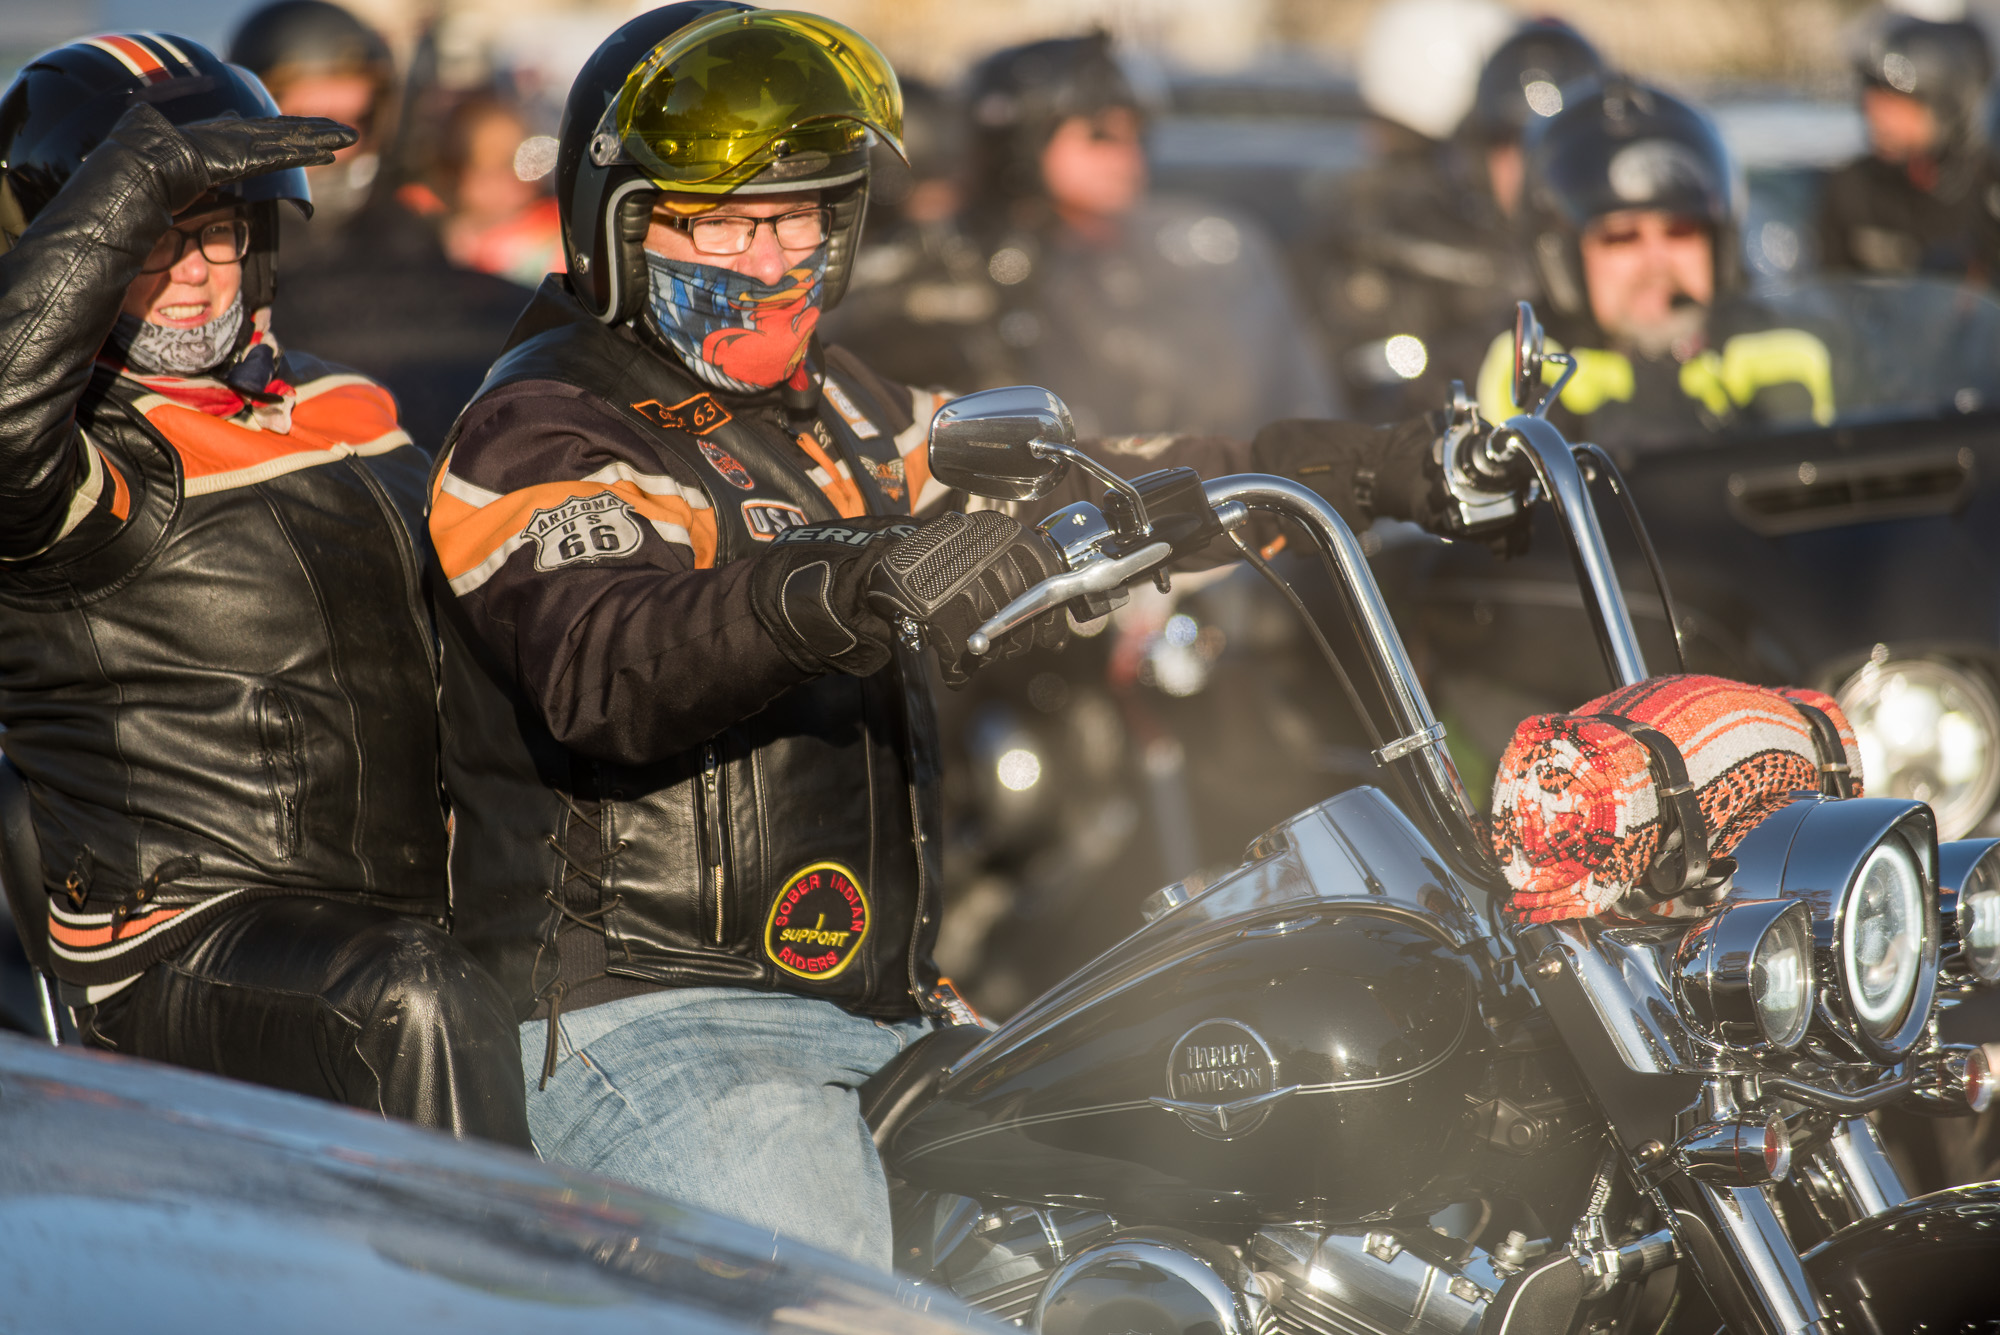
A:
(1900, 347)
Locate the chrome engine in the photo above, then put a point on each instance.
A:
(1062, 1271)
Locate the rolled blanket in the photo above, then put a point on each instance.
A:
(1576, 807)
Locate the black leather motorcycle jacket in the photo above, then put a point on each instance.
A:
(637, 771)
(216, 670)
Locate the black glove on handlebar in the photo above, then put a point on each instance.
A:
(810, 592)
(956, 572)
(1372, 472)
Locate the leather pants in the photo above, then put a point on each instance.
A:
(359, 1005)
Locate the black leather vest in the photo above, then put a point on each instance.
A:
(235, 693)
(790, 852)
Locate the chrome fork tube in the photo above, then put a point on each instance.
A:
(1417, 751)
(1562, 482)
(1765, 1258)
(1870, 1180)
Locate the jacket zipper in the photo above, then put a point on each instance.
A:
(711, 788)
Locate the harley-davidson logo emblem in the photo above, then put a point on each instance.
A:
(1221, 1079)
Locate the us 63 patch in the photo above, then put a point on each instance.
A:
(587, 528)
(818, 922)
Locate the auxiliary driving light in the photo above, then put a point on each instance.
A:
(1969, 908)
(1744, 976)
(1929, 730)
(1740, 1152)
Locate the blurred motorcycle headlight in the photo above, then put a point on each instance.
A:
(1744, 976)
(1969, 908)
(1929, 730)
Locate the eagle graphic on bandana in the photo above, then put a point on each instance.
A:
(733, 331)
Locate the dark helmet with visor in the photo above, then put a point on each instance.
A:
(64, 102)
(1524, 79)
(1945, 66)
(715, 98)
(1016, 98)
(1624, 145)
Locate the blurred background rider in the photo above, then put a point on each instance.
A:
(367, 281)
(1144, 313)
(1920, 199)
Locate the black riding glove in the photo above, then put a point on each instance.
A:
(956, 572)
(1375, 472)
(228, 149)
(810, 592)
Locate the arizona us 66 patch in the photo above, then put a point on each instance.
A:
(818, 923)
(588, 528)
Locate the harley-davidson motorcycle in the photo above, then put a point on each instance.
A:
(1340, 1089)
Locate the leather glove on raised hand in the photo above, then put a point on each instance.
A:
(810, 591)
(954, 573)
(228, 149)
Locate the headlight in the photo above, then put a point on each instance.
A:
(1867, 869)
(1882, 938)
(1969, 908)
(1744, 976)
(1928, 730)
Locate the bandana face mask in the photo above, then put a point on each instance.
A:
(735, 332)
(158, 349)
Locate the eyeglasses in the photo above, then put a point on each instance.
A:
(223, 242)
(732, 234)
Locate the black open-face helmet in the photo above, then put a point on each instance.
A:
(297, 39)
(64, 102)
(1017, 97)
(715, 98)
(1945, 66)
(1523, 80)
(1623, 145)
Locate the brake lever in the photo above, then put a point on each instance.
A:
(1100, 576)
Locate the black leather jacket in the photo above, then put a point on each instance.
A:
(216, 668)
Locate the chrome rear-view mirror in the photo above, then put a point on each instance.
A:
(1013, 444)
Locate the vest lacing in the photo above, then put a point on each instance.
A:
(591, 919)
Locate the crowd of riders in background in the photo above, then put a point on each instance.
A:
(1022, 243)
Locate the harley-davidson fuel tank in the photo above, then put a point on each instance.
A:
(1299, 1041)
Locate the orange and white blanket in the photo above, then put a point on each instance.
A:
(1576, 808)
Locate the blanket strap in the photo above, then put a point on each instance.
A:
(1675, 871)
(1835, 777)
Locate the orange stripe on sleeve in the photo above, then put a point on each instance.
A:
(846, 497)
(468, 536)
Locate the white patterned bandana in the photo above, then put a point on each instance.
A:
(157, 349)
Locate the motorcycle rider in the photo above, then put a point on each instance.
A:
(218, 676)
(688, 743)
(1917, 201)
(1633, 209)
(367, 282)
(1097, 289)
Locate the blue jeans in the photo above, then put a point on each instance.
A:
(739, 1102)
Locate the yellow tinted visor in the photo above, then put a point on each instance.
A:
(738, 94)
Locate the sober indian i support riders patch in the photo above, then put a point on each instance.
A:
(818, 922)
(589, 528)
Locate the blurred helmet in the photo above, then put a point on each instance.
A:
(1945, 66)
(715, 98)
(297, 39)
(1017, 97)
(1524, 79)
(1623, 145)
(1420, 60)
(64, 102)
